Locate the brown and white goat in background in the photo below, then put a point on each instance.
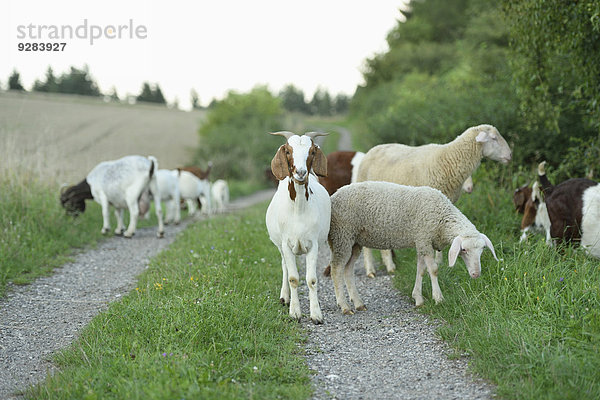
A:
(298, 216)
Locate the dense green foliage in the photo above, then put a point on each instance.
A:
(14, 81)
(292, 99)
(204, 323)
(531, 68)
(235, 134)
(151, 94)
(531, 322)
(35, 233)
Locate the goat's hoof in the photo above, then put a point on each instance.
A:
(118, 233)
(361, 308)
(347, 311)
(160, 235)
(104, 231)
(371, 275)
(317, 321)
(283, 301)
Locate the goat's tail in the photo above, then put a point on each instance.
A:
(153, 166)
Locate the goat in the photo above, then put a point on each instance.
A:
(168, 184)
(121, 183)
(220, 194)
(192, 188)
(298, 216)
(339, 168)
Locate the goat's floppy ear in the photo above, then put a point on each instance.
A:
(279, 164)
(319, 164)
(489, 244)
(454, 250)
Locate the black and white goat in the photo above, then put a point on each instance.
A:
(122, 183)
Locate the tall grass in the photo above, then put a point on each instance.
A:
(531, 323)
(204, 322)
(35, 233)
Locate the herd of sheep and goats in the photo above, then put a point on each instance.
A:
(394, 196)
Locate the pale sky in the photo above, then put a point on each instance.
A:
(211, 46)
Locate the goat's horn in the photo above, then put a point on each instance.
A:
(285, 134)
(313, 135)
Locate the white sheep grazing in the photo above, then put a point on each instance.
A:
(192, 189)
(385, 215)
(441, 166)
(122, 184)
(220, 194)
(298, 216)
(168, 184)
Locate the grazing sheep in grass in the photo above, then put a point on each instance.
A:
(441, 166)
(122, 183)
(385, 215)
(298, 216)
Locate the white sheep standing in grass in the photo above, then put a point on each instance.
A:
(298, 216)
(123, 184)
(220, 194)
(385, 215)
(445, 167)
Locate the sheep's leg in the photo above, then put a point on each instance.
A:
(351, 281)
(340, 296)
(439, 257)
(388, 260)
(284, 294)
(120, 225)
(311, 280)
(432, 268)
(293, 279)
(133, 216)
(369, 262)
(417, 293)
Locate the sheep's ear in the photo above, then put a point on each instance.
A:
(454, 250)
(320, 163)
(279, 164)
(489, 244)
(483, 136)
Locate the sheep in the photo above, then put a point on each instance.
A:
(298, 216)
(467, 185)
(192, 189)
(121, 183)
(339, 167)
(441, 166)
(168, 184)
(220, 194)
(572, 212)
(386, 215)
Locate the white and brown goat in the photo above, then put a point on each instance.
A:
(298, 216)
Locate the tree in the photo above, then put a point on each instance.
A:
(341, 104)
(49, 85)
(151, 94)
(78, 81)
(321, 103)
(114, 96)
(292, 99)
(14, 81)
(194, 99)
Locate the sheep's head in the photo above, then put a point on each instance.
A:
(298, 156)
(468, 185)
(72, 198)
(470, 249)
(493, 144)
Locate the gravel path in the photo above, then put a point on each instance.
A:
(387, 352)
(38, 319)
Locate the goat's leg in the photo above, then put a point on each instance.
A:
(105, 215)
(191, 206)
(293, 279)
(369, 262)
(120, 225)
(439, 257)
(134, 210)
(161, 226)
(417, 293)
(432, 268)
(311, 280)
(388, 260)
(351, 281)
(176, 208)
(284, 294)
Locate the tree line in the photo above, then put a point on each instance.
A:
(79, 81)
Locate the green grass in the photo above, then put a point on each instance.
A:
(203, 322)
(530, 323)
(35, 234)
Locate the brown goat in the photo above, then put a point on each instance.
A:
(339, 164)
(198, 171)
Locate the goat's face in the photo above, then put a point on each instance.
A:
(73, 204)
(520, 198)
(297, 157)
(494, 146)
(470, 248)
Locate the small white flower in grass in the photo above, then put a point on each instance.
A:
(262, 260)
(255, 368)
